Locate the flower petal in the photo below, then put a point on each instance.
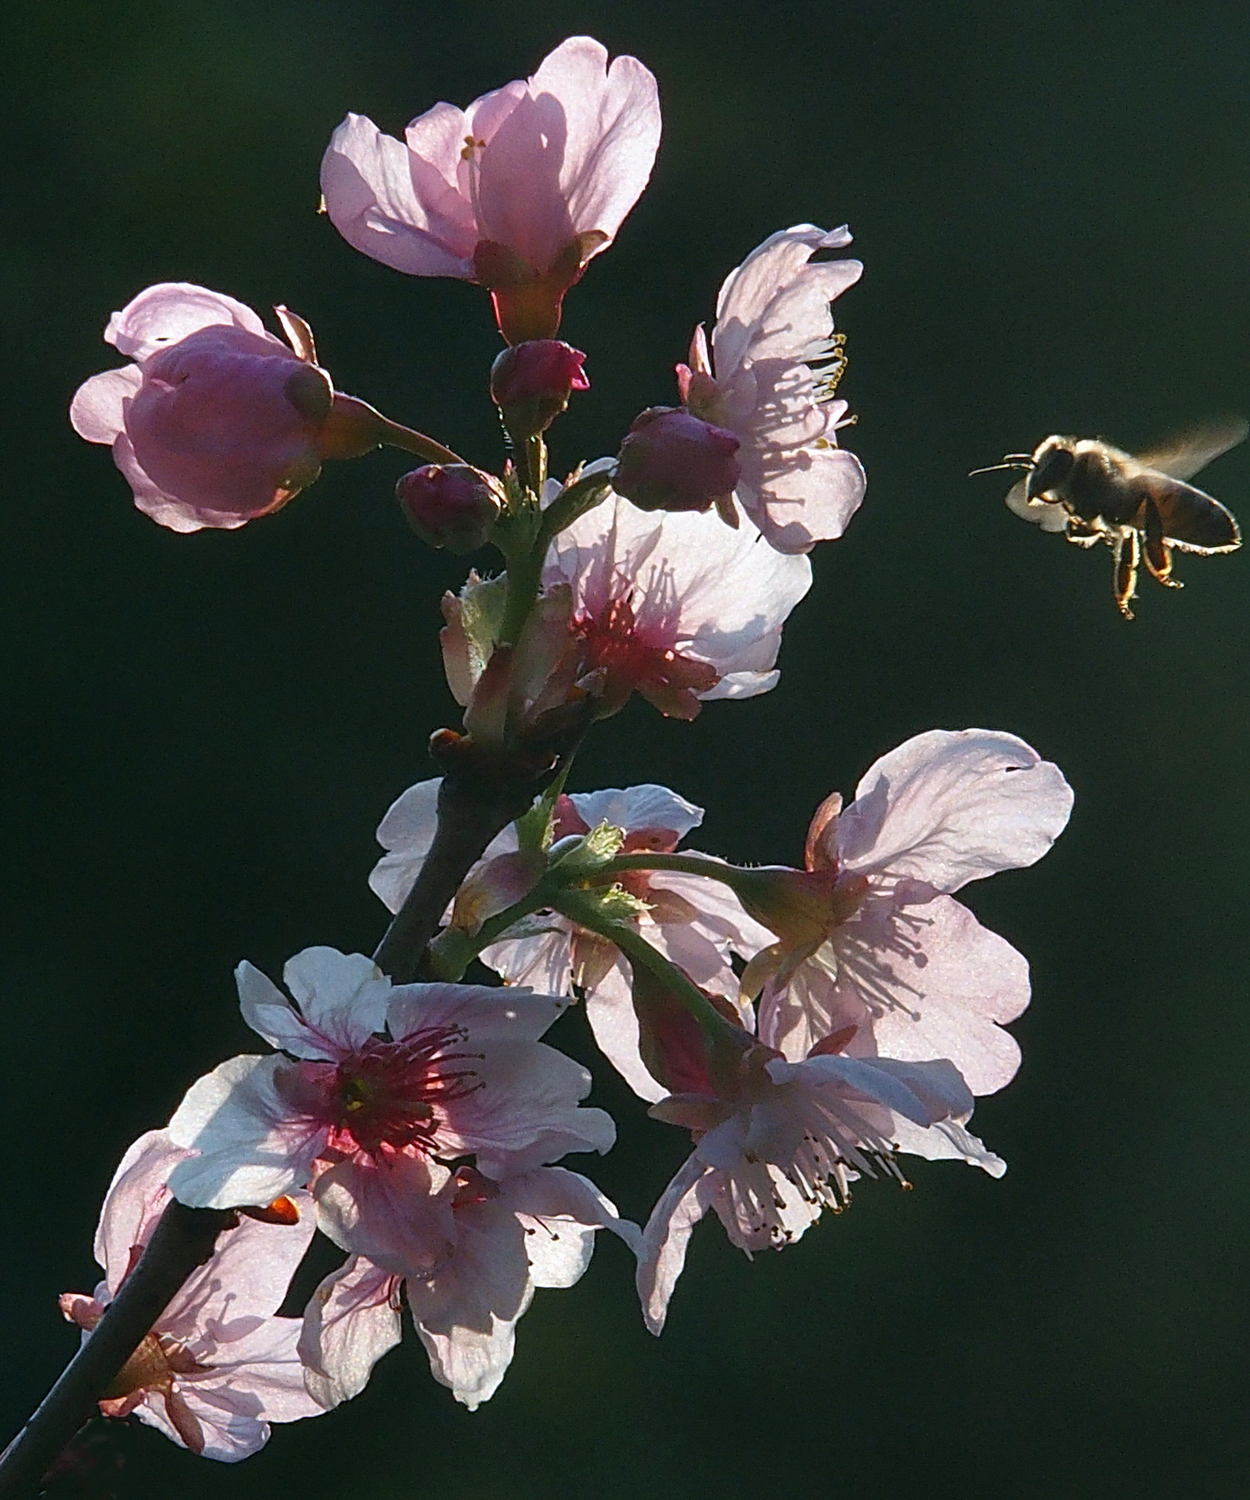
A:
(526, 1113)
(343, 997)
(247, 1279)
(684, 1202)
(97, 411)
(350, 1322)
(406, 832)
(135, 1200)
(251, 1142)
(637, 807)
(387, 1208)
(947, 807)
(392, 203)
(167, 312)
(916, 982)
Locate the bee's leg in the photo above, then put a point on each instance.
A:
(1126, 555)
(1081, 533)
(1155, 550)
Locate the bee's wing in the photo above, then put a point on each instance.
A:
(1185, 454)
(1192, 520)
(1041, 512)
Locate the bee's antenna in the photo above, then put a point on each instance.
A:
(1012, 461)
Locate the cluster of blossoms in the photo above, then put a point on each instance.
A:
(808, 1027)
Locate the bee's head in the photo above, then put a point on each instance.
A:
(1052, 463)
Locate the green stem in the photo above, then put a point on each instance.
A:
(397, 436)
(683, 864)
(585, 912)
(453, 950)
(525, 575)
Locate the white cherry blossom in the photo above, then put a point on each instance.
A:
(675, 606)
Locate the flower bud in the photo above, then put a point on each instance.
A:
(531, 383)
(450, 505)
(673, 461)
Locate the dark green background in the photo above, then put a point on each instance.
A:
(1053, 202)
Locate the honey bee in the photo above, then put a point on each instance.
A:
(1141, 507)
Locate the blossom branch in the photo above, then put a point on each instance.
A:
(472, 810)
(183, 1239)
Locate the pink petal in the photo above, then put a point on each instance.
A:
(166, 510)
(392, 205)
(612, 131)
(636, 807)
(135, 1200)
(489, 1015)
(247, 1278)
(802, 495)
(543, 960)
(97, 410)
(259, 1374)
(685, 1201)
(614, 1023)
(948, 807)
(934, 983)
(387, 1209)
(947, 1141)
(560, 1212)
(349, 1324)
(525, 1115)
(343, 997)
(168, 312)
(251, 1143)
(748, 293)
(406, 832)
(922, 1092)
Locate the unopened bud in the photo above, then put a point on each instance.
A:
(450, 505)
(673, 461)
(531, 384)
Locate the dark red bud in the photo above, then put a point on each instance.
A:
(671, 460)
(450, 505)
(531, 382)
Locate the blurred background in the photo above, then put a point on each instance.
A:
(1053, 203)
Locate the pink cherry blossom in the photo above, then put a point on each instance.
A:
(216, 421)
(218, 1367)
(505, 1239)
(676, 607)
(518, 191)
(777, 1142)
(379, 1084)
(763, 382)
(890, 954)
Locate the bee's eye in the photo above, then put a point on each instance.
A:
(1050, 469)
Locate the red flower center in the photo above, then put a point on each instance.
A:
(614, 643)
(391, 1093)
